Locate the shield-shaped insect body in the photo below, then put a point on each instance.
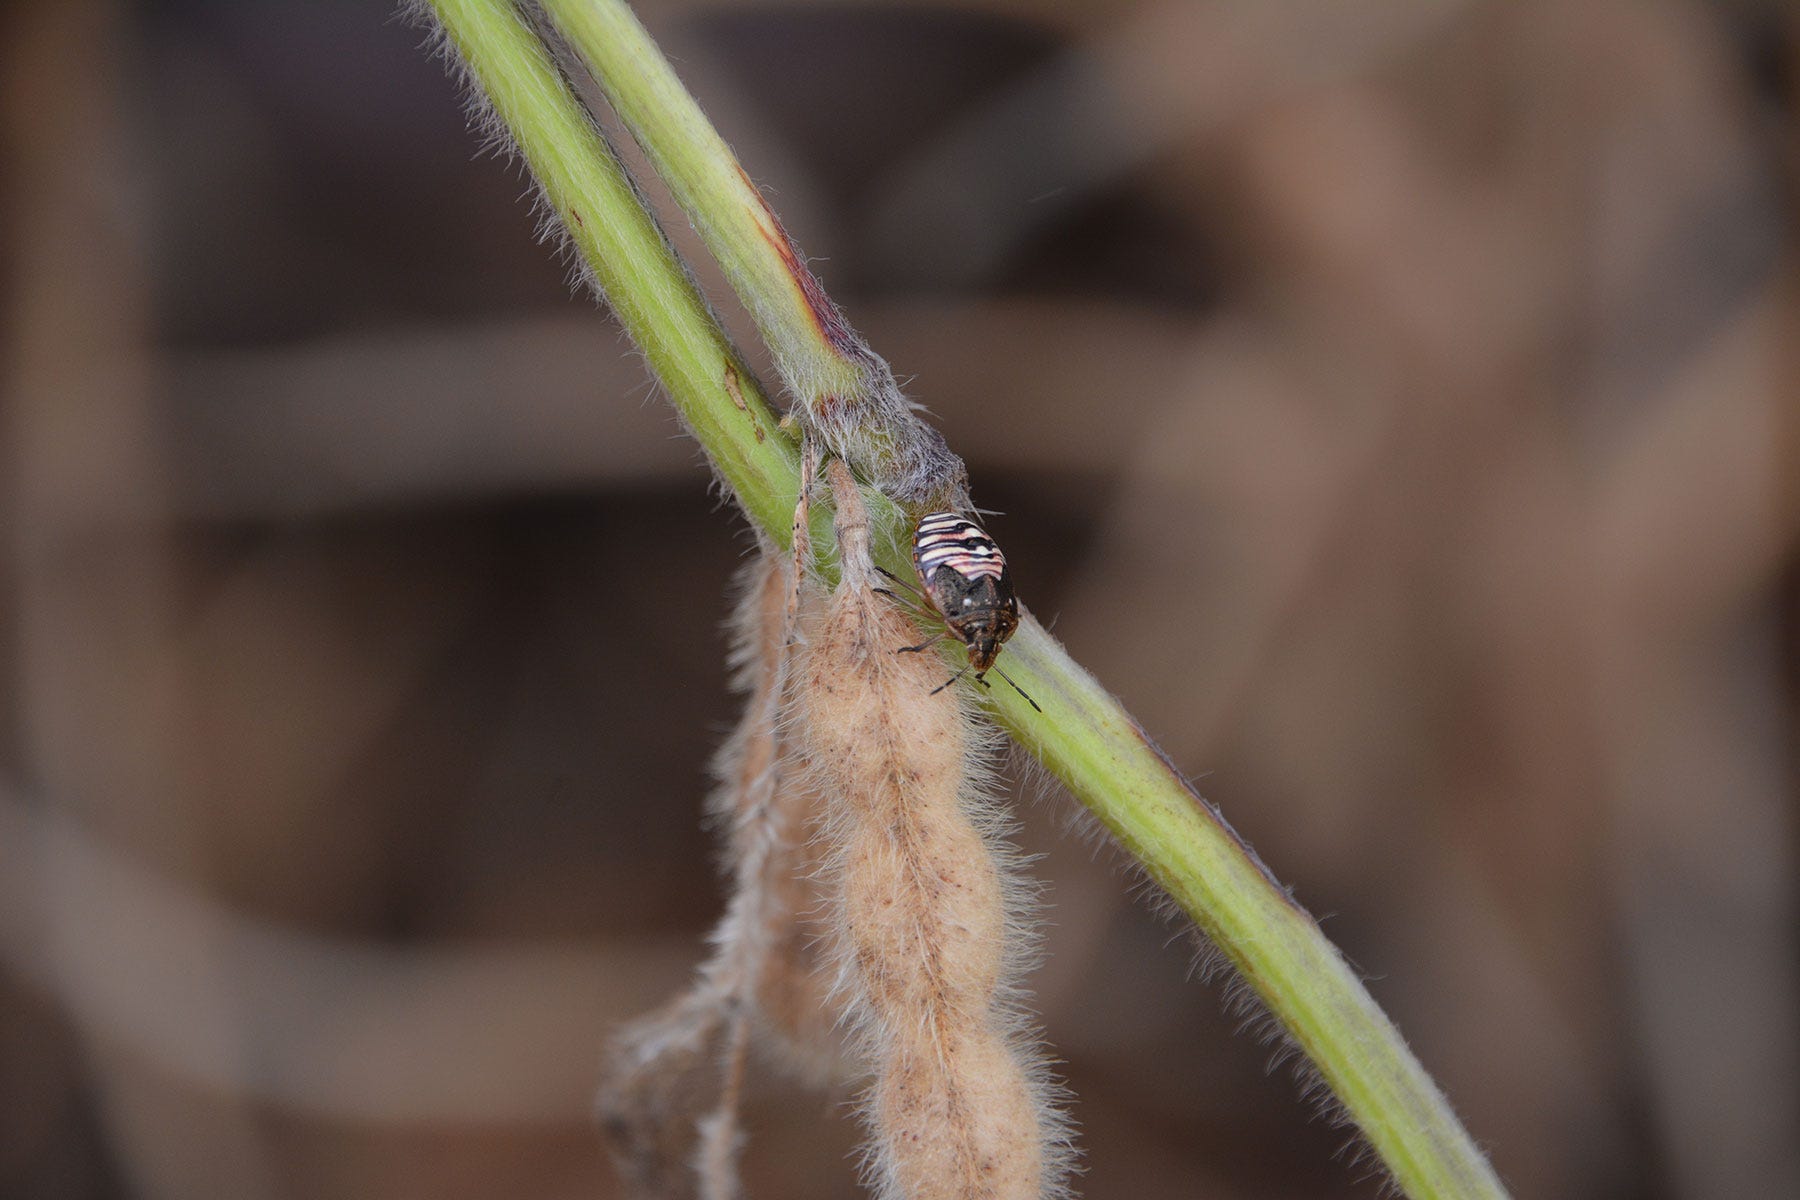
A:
(964, 576)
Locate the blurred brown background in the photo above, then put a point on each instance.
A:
(1395, 403)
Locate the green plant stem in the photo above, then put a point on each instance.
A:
(789, 307)
(1088, 741)
(630, 260)
(1083, 736)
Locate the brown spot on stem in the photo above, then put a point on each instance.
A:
(576, 213)
(830, 322)
(735, 390)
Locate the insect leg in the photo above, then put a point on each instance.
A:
(933, 640)
(910, 587)
(802, 536)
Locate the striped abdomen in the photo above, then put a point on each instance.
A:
(944, 539)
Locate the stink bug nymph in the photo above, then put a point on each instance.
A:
(963, 575)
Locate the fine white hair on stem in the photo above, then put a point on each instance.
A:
(932, 926)
(1209, 966)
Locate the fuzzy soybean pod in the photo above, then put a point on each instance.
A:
(930, 924)
(767, 807)
(670, 1094)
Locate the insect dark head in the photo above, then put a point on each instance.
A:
(979, 613)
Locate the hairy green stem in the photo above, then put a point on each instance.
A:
(844, 391)
(1083, 736)
(739, 229)
(630, 260)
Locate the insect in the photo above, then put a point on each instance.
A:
(963, 575)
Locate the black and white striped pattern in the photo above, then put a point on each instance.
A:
(945, 539)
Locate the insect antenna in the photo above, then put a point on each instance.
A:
(1017, 688)
(940, 687)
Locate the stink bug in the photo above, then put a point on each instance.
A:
(964, 577)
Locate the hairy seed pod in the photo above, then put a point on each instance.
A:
(798, 1018)
(672, 1083)
(928, 932)
(661, 1076)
